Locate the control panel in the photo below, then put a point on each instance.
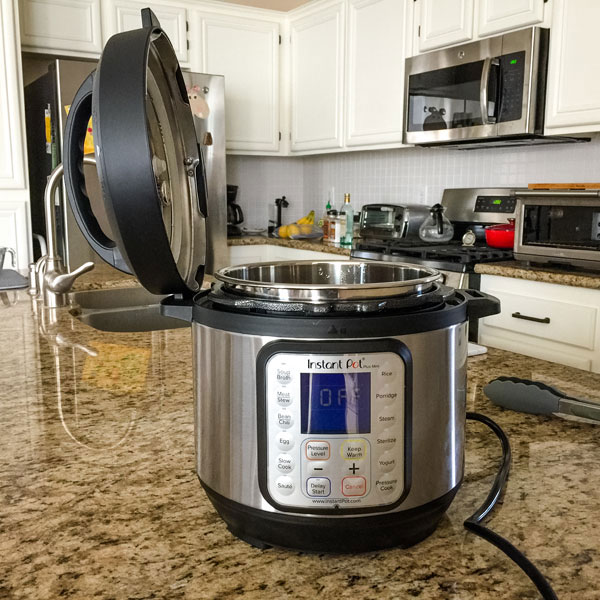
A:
(335, 429)
(495, 204)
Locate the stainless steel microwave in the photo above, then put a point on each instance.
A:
(558, 227)
(489, 92)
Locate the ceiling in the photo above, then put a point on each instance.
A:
(283, 5)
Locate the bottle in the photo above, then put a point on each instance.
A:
(348, 213)
(324, 222)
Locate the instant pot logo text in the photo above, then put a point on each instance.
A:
(336, 364)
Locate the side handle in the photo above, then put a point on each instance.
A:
(73, 160)
(480, 304)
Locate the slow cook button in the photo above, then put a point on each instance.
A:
(285, 441)
(283, 376)
(386, 395)
(386, 486)
(317, 450)
(284, 485)
(318, 486)
(386, 439)
(354, 486)
(285, 463)
(284, 397)
(354, 449)
(284, 419)
(386, 462)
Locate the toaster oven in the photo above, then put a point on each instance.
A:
(392, 221)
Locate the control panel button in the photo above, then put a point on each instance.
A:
(387, 462)
(284, 419)
(387, 373)
(386, 395)
(386, 485)
(318, 450)
(387, 439)
(386, 418)
(285, 463)
(285, 441)
(317, 468)
(354, 449)
(284, 397)
(318, 486)
(283, 376)
(354, 485)
(284, 485)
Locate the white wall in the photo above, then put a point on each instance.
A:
(407, 175)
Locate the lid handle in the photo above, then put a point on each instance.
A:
(149, 19)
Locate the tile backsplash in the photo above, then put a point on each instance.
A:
(405, 175)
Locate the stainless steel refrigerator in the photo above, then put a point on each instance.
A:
(47, 99)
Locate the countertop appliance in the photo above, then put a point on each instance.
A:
(318, 424)
(558, 226)
(235, 215)
(392, 221)
(47, 100)
(489, 92)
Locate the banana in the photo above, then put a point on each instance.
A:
(309, 219)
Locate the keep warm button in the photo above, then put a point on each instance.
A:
(354, 450)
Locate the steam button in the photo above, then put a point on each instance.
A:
(284, 419)
(386, 418)
(284, 485)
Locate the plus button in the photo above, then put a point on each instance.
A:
(353, 468)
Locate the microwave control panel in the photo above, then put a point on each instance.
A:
(335, 430)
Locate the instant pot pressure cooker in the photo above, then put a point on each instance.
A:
(330, 396)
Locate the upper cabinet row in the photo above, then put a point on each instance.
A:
(329, 76)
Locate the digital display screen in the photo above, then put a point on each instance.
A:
(335, 403)
(497, 201)
(513, 61)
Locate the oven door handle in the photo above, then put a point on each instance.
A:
(483, 89)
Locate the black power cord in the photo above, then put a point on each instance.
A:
(473, 523)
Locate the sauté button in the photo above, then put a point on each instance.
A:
(353, 449)
(285, 441)
(386, 462)
(284, 485)
(354, 485)
(284, 419)
(284, 397)
(283, 376)
(317, 450)
(285, 463)
(318, 486)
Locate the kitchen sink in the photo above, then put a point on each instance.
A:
(123, 310)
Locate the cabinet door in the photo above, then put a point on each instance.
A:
(375, 71)
(496, 16)
(573, 94)
(72, 25)
(124, 15)
(246, 52)
(317, 77)
(444, 22)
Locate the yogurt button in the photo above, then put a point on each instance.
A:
(284, 485)
(386, 462)
(285, 441)
(285, 463)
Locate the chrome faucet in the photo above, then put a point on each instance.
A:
(49, 277)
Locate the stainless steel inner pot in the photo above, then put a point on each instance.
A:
(324, 281)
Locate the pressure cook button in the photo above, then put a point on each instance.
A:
(386, 485)
(318, 486)
(284, 485)
(284, 376)
(354, 449)
(386, 462)
(285, 441)
(387, 439)
(284, 397)
(354, 485)
(285, 463)
(386, 395)
(284, 419)
(317, 450)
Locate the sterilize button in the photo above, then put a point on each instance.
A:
(354, 485)
(285, 463)
(284, 397)
(387, 439)
(386, 462)
(354, 449)
(284, 485)
(386, 395)
(284, 419)
(284, 376)
(386, 485)
(285, 441)
(317, 450)
(318, 486)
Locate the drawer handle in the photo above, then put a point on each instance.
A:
(518, 315)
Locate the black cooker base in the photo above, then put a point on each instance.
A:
(264, 529)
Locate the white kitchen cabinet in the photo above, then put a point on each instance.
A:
(497, 16)
(239, 255)
(124, 15)
(63, 25)
(317, 77)
(246, 52)
(14, 197)
(375, 54)
(443, 23)
(573, 93)
(553, 322)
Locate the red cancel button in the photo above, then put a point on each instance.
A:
(354, 485)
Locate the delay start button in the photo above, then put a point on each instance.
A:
(318, 486)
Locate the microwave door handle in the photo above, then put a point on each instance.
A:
(483, 89)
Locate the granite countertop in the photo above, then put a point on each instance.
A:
(99, 496)
(521, 270)
(317, 246)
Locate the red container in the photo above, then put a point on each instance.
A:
(501, 236)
